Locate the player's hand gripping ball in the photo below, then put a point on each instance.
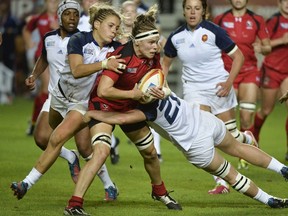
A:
(153, 78)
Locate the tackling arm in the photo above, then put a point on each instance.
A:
(132, 116)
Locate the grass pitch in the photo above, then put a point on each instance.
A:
(49, 196)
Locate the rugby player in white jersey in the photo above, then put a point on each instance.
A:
(198, 44)
(63, 108)
(196, 133)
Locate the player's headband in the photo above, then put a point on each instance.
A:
(147, 35)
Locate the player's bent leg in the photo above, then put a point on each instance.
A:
(91, 168)
(42, 130)
(143, 140)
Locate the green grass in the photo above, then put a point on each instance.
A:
(49, 196)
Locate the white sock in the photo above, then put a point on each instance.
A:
(156, 137)
(262, 196)
(32, 177)
(275, 165)
(67, 155)
(104, 177)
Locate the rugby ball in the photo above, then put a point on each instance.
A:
(152, 78)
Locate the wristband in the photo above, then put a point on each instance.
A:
(104, 62)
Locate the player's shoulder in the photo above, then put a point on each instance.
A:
(274, 17)
(81, 38)
(254, 15)
(212, 27)
(126, 50)
(178, 30)
(220, 17)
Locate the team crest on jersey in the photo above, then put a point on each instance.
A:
(228, 24)
(50, 43)
(43, 22)
(131, 70)
(249, 25)
(88, 51)
(266, 80)
(181, 40)
(104, 107)
(204, 37)
(284, 25)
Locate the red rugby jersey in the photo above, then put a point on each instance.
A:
(243, 31)
(278, 58)
(136, 68)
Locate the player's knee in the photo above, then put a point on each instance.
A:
(145, 142)
(149, 154)
(247, 106)
(56, 140)
(85, 151)
(265, 111)
(223, 170)
(242, 183)
(103, 138)
(41, 141)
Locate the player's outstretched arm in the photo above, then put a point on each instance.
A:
(132, 116)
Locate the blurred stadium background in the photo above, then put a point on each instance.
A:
(170, 17)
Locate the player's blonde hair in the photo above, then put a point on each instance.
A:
(145, 22)
(128, 3)
(100, 11)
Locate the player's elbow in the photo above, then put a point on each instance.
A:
(76, 74)
(102, 92)
(122, 120)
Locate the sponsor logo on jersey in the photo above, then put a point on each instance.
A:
(50, 43)
(228, 24)
(60, 52)
(181, 40)
(43, 22)
(284, 25)
(192, 45)
(131, 70)
(88, 51)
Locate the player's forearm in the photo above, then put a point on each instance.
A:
(238, 60)
(40, 66)
(166, 63)
(266, 47)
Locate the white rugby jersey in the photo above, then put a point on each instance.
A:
(200, 53)
(174, 119)
(82, 43)
(84, 24)
(55, 48)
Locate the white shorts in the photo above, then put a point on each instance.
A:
(46, 105)
(209, 98)
(211, 133)
(62, 105)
